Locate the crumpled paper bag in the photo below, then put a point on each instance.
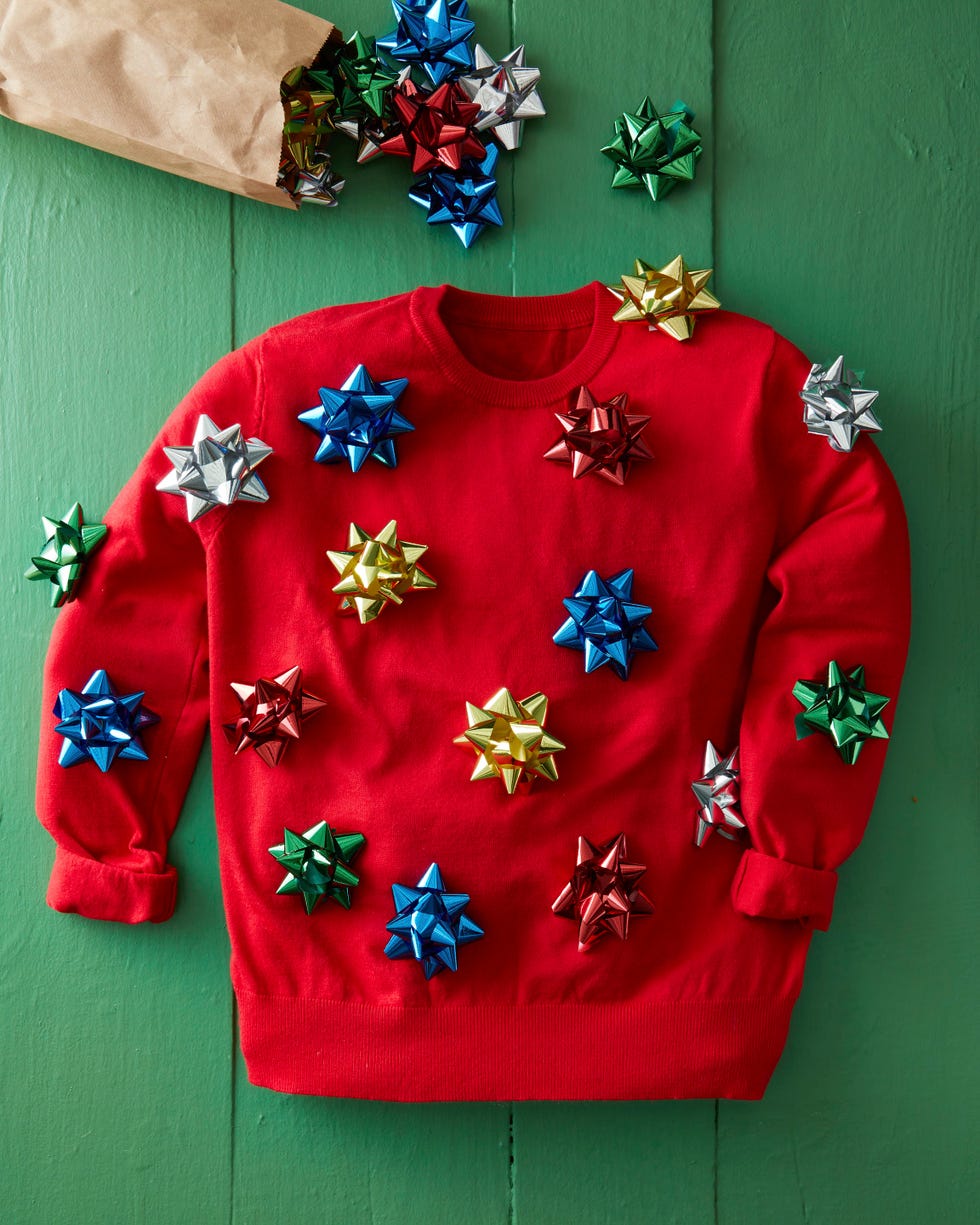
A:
(192, 88)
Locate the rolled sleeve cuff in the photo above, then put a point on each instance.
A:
(102, 891)
(769, 888)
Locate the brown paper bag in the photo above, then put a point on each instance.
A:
(189, 87)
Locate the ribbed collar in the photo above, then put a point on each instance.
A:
(435, 309)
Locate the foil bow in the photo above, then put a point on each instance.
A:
(273, 711)
(99, 724)
(376, 571)
(365, 80)
(318, 185)
(606, 623)
(217, 469)
(310, 106)
(317, 864)
(368, 130)
(506, 92)
(837, 407)
(654, 151)
(434, 34)
(602, 895)
(465, 200)
(309, 102)
(717, 794)
(668, 298)
(430, 923)
(369, 134)
(510, 740)
(358, 421)
(600, 436)
(68, 544)
(434, 128)
(841, 709)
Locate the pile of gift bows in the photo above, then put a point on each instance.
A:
(422, 93)
(419, 92)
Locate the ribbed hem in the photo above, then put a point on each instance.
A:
(102, 891)
(434, 309)
(542, 1052)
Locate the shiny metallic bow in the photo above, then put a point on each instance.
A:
(600, 437)
(602, 895)
(465, 199)
(99, 724)
(838, 408)
(358, 421)
(841, 709)
(510, 741)
(318, 185)
(273, 712)
(716, 792)
(365, 80)
(217, 469)
(606, 623)
(668, 298)
(68, 544)
(433, 34)
(506, 92)
(317, 864)
(376, 571)
(654, 151)
(434, 128)
(430, 923)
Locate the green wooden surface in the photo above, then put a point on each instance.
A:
(836, 200)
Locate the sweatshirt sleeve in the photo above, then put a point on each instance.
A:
(140, 615)
(839, 574)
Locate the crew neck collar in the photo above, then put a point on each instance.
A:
(435, 308)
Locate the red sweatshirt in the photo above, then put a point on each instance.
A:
(763, 555)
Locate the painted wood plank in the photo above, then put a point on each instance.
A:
(385, 1162)
(612, 1163)
(609, 1162)
(115, 1076)
(596, 62)
(844, 188)
(368, 1163)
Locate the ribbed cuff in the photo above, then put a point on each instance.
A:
(101, 891)
(769, 888)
